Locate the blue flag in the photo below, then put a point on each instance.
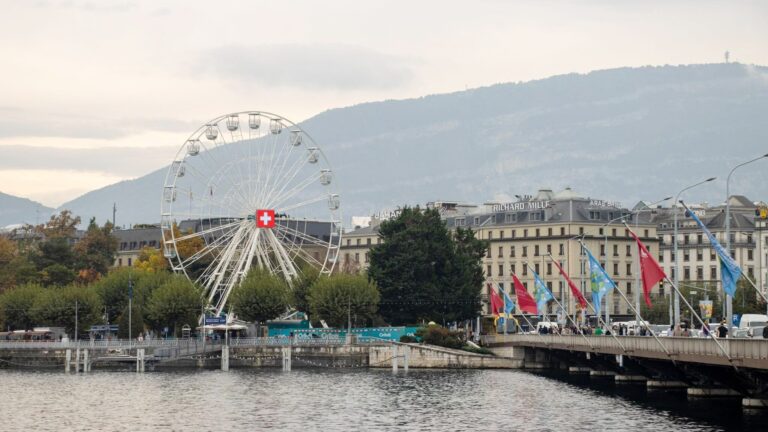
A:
(509, 305)
(541, 293)
(730, 271)
(599, 281)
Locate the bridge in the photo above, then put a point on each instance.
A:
(702, 366)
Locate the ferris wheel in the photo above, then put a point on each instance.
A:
(249, 188)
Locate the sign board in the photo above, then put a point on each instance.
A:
(705, 307)
(736, 319)
(215, 320)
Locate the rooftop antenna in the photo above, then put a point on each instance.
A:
(727, 56)
(114, 212)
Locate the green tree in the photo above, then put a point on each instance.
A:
(173, 304)
(17, 307)
(260, 296)
(56, 275)
(113, 291)
(301, 285)
(425, 273)
(95, 252)
(339, 296)
(56, 307)
(62, 225)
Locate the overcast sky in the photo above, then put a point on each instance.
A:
(132, 79)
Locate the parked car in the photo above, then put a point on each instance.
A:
(756, 332)
(747, 320)
(739, 333)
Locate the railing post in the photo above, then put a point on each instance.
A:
(68, 360)
(225, 358)
(394, 358)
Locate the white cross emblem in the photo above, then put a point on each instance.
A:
(265, 218)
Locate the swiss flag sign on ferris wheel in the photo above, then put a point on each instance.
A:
(265, 218)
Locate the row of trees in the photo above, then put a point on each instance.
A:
(47, 254)
(159, 300)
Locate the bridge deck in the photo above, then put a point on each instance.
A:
(742, 352)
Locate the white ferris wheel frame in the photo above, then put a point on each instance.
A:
(234, 243)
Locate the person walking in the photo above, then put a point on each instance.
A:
(722, 330)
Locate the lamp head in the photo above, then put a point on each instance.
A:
(710, 179)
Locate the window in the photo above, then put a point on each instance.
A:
(549, 268)
(513, 233)
(629, 288)
(346, 257)
(713, 272)
(510, 217)
(490, 235)
(460, 222)
(501, 269)
(119, 262)
(749, 238)
(501, 252)
(712, 255)
(615, 269)
(562, 231)
(626, 233)
(751, 271)
(602, 250)
(562, 249)
(629, 250)
(549, 232)
(600, 231)
(699, 239)
(594, 215)
(525, 251)
(615, 250)
(525, 271)
(672, 256)
(700, 273)
(366, 257)
(629, 269)
(749, 254)
(476, 221)
(488, 271)
(130, 262)
(525, 233)
(488, 253)
(645, 233)
(536, 268)
(538, 233)
(368, 241)
(581, 230)
(501, 286)
(512, 269)
(512, 251)
(549, 248)
(357, 257)
(613, 232)
(535, 250)
(493, 219)
(699, 255)
(686, 255)
(686, 239)
(501, 234)
(686, 273)
(357, 242)
(661, 257)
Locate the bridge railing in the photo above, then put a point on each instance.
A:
(756, 349)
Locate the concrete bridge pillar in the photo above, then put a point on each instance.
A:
(629, 379)
(140, 360)
(225, 358)
(394, 358)
(707, 392)
(406, 357)
(287, 359)
(665, 384)
(86, 361)
(753, 403)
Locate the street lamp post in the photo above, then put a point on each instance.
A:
(729, 299)
(677, 255)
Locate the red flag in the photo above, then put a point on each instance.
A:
(496, 302)
(650, 270)
(524, 300)
(574, 290)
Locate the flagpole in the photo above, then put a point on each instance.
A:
(686, 303)
(742, 273)
(578, 330)
(693, 312)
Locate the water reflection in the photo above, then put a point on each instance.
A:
(321, 399)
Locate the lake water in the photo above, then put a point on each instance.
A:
(342, 400)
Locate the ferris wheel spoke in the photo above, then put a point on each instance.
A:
(302, 235)
(234, 147)
(287, 194)
(286, 265)
(270, 173)
(207, 249)
(287, 177)
(301, 204)
(208, 231)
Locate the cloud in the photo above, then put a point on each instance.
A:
(18, 122)
(112, 161)
(313, 67)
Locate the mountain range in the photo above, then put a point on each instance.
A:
(16, 210)
(621, 134)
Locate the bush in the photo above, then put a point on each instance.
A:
(408, 339)
(436, 335)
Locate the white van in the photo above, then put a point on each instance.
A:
(751, 320)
